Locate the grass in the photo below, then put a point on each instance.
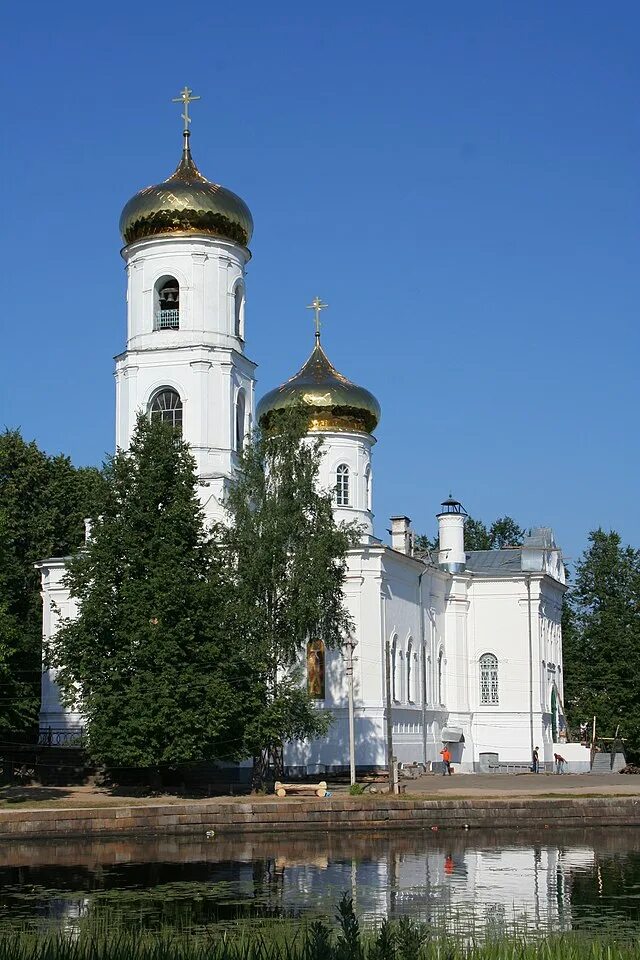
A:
(403, 939)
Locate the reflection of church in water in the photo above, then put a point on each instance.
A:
(474, 641)
(476, 886)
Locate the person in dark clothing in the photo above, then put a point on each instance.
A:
(535, 766)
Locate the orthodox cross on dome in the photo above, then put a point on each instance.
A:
(185, 98)
(317, 305)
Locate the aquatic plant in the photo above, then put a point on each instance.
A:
(404, 939)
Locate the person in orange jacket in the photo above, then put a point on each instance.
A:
(446, 759)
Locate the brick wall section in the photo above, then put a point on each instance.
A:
(332, 814)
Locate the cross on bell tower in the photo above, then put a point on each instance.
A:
(185, 98)
(317, 305)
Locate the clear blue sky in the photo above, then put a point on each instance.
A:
(458, 181)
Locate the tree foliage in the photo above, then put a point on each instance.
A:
(187, 642)
(43, 501)
(148, 656)
(288, 558)
(601, 639)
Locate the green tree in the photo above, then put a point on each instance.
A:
(505, 532)
(601, 639)
(43, 501)
(476, 535)
(148, 657)
(288, 558)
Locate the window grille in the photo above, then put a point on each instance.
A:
(489, 679)
(167, 320)
(168, 304)
(342, 485)
(167, 407)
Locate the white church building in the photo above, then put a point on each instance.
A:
(472, 639)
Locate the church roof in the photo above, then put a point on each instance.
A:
(495, 561)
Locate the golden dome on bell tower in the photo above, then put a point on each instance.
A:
(186, 203)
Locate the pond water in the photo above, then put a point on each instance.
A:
(544, 881)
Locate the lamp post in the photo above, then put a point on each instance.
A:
(349, 645)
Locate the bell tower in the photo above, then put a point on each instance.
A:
(185, 251)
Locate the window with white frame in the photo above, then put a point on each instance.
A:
(440, 678)
(166, 406)
(489, 679)
(367, 487)
(342, 485)
(410, 693)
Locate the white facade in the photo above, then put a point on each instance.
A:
(57, 605)
(346, 469)
(439, 627)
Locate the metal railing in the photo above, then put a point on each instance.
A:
(167, 319)
(61, 737)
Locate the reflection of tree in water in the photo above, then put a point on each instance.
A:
(611, 889)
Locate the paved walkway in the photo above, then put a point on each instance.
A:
(472, 786)
(524, 785)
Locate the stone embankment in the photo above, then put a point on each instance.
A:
(262, 816)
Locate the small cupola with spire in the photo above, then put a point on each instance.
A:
(346, 416)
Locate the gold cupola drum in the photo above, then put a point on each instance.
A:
(186, 203)
(335, 404)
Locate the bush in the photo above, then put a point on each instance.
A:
(356, 789)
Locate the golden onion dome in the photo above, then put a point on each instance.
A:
(335, 403)
(186, 203)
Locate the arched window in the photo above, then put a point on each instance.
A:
(367, 488)
(440, 684)
(238, 300)
(425, 690)
(394, 669)
(488, 678)
(315, 669)
(342, 485)
(240, 420)
(410, 696)
(166, 406)
(554, 713)
(167, 304)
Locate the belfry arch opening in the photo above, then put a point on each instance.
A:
(241, 413)
(238, 311)
(166, 304)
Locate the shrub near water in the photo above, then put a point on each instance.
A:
(394, 940)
